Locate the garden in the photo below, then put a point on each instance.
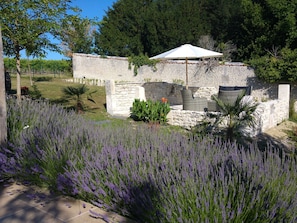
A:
(145, 172)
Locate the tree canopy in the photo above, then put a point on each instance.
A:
(247, 30)
(76, 35)
(26, 25)
(148, 27)
(152, 26)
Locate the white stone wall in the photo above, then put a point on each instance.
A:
(199, 72)
(268, 114)
(184, 118)
(120, 97)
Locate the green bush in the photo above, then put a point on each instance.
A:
(276, 68)
(146, 173)
(42, 79)
(149, 111)
(35, 93)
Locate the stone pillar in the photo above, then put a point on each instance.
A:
(284, 96)
(140, 93)
(110, 92)
(284, 92)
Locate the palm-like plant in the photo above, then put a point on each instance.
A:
(77, 92)
(238, 115)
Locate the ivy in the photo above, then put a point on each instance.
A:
(138, 61)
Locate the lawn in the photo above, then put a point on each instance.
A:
(51, 87)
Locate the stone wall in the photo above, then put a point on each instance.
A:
(120, 97)
(201, 74)
(268, 114)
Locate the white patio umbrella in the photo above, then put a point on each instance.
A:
(187, 51)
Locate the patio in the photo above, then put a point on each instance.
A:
(120, 97)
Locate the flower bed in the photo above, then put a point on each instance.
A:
(150, 175)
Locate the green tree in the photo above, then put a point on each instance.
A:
(263, 25)
(277, 66)
(3, 120)
(77, 35)
(134, 27)
(26, 25)
(237, 115)
(120, 31)
(220, 16)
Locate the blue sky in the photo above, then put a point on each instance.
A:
(90, 9)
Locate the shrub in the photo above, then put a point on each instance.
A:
(165, 180)
(238, 116)
(146, 173)
(41, 79)
(149, 111)
(35, 93)
(76, 93)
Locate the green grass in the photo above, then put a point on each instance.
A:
(52, 90)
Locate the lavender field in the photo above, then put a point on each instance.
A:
(148, 174)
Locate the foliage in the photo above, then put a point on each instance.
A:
(242, 29)
(132, 27)
(277, 67)
(77, 92)
(35, 93)
(239, 115)
(44, 78)
(76, 35)
(149, 175)
(138, 61)
(26, 25)
(149, 111)
(39, 66)
(261, 24)
(52, 91)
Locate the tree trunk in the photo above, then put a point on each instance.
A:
(29, 70)
(18, 67)
(3, 110)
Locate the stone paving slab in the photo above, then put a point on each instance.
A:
(26, 204)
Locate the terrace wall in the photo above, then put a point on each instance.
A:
(120, 97)
(268, 114)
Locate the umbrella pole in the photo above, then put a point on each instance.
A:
(187, 73)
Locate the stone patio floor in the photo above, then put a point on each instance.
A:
(27, 204)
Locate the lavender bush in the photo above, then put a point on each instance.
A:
(146, 173)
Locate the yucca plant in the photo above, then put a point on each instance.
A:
(238, 115)
(77, 92)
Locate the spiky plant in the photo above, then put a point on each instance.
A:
(77, 92)
(238, 115)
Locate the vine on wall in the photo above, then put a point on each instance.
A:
(138, 61)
